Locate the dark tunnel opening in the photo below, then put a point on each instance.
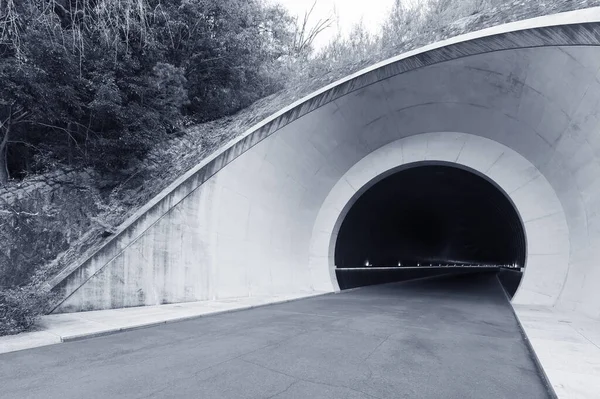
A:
(429, 214)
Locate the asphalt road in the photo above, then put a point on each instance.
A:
(444, 338)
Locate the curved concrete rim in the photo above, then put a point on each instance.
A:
(413, 151)
(553, 30)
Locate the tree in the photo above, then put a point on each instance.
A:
(404, 22)
(226, 49)
(306, 32)
(12, 115)
(103, 81)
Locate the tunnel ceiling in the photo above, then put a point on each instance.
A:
(431, 214)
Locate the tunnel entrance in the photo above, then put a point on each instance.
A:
(429, 214)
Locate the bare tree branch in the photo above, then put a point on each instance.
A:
(304, 36)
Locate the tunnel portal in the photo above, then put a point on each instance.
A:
(429, 214)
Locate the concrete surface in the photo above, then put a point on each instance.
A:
(450, 338)
(568, 347)
(57, 328)
(544, 221)
(516, 103)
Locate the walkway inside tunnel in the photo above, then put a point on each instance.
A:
(426, 215)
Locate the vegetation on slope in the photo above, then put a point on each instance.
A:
(104, 102)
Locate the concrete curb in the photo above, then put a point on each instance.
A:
(535, 358)
(80, 337)
(531, 350)
(116, 330)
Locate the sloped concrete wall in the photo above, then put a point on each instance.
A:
(520, 107)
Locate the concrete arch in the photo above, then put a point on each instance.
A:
(544, 220)
(241, 222)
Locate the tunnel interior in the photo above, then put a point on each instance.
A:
(431, 214)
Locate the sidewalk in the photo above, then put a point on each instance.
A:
(54, 329)
(568, 347)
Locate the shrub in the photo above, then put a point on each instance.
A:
(21, 307)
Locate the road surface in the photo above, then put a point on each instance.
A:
(437, 338)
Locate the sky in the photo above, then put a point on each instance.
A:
(349, 13)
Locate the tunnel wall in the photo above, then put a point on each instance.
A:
(244, 222)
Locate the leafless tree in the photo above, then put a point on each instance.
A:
(306, 32)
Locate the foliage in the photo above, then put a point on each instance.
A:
(21, 307)
(100, 82)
